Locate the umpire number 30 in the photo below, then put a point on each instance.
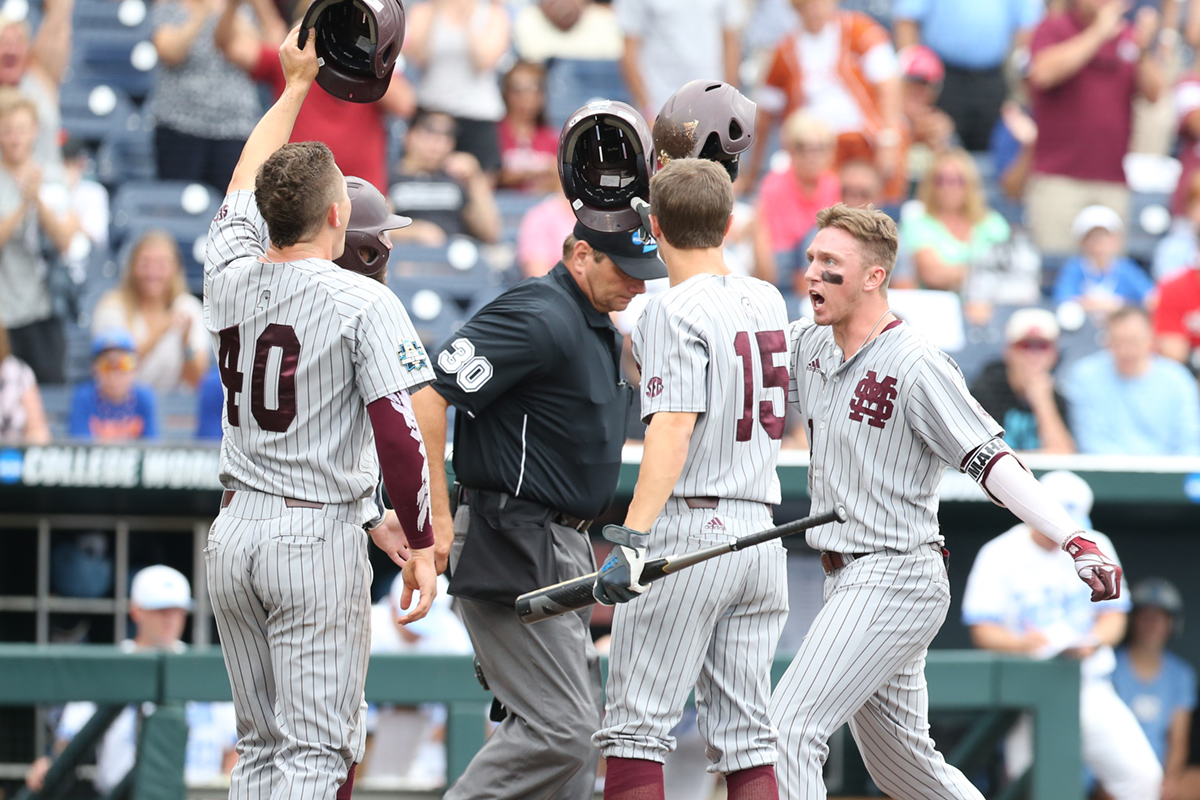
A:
(471, 371)
(769, 344)
(279, 378)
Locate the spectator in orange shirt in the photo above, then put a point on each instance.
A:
(840, 67)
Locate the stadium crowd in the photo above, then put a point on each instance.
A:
(1042, 159)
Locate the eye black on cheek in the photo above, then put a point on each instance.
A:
(830, 277)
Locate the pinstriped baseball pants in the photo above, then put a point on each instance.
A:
(290, 591)
(863, 662)
(712, 627)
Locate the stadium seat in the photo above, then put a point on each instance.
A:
(572, 83)
(121, 57)
(1149, 219)
(126, 156)
(458, 270)
(434, 312)
(513, 206)
(92, 112)
(113, 15)
(57, 402)
(150, 203)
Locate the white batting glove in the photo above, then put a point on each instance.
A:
(1095, 569)
(619, 580)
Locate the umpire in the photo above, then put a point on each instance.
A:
(536, 382)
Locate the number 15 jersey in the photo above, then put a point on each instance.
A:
(302, 348)
(716, 345)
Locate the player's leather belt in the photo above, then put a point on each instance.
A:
(290, 502)
(462, 494)
(831, 561)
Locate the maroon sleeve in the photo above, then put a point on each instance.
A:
(405, 468)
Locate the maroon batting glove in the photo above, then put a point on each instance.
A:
(1095, 569)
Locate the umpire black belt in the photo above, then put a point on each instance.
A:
(463, 493)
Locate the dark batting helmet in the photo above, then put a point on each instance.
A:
(1159, 593)
(366, 250)
(358, 42)
(605, 160)
(705, 119)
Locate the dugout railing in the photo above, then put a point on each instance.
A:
(963, 681)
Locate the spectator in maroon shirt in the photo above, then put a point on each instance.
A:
(528, 145)
(1087, 66)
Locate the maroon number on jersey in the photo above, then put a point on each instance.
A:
(283, 337)
(769, 343)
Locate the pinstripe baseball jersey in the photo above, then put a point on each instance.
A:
(717, 345)
(302, 348)
(881, 429)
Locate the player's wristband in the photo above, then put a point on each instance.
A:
(628, 537)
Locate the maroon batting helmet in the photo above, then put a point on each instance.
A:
(358, 42)
(605, 160)
(705, 119)
(366, 250)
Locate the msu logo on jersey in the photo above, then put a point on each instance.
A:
(873, 400)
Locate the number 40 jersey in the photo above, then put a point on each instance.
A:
(302, 347)
(716, 345)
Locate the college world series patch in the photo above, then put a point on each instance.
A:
(412, 355)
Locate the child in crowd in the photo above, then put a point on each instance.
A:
(1099, 277)
(112, 407)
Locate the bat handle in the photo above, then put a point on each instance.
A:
(562, 598)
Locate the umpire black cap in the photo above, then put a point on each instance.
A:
(635, 254)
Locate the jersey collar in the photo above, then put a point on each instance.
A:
(563, 277)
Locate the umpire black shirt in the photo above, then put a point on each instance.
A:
(535, 376)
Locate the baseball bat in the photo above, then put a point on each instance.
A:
(572, 595)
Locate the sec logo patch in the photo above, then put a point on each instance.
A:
(654, 387)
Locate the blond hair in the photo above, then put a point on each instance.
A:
(13, 99)
(801, 125)
(874, 231)
(128, 292)
(692, 199)
(975, 202)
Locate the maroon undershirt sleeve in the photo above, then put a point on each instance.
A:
(405, 469)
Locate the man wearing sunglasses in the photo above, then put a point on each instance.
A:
(1018, 388)
(112, 407)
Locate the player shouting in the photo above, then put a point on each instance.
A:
(886, 412)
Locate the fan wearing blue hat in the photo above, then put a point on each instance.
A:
(112, 407)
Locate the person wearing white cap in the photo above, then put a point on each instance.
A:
(1023, 596)
(1018, 389)
(159, 601)
(1099, 277)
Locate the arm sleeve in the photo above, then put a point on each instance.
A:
(1020, 492)
(388, 354)
(405, 466)
(505, 343)
(673, 351)
(237, 231)
(942, 412)
(985, 598)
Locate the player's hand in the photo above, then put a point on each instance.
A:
(1095, 569)
(389, 537)
(420, 576)
(620, 579)
(299, 66)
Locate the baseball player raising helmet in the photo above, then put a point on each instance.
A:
(316, 363)
(886, 412)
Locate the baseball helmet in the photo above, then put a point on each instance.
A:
(358, 42)
(604, 162)
(365, 251)
(705, 119)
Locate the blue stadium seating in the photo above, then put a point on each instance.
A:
(162, 203)
(513, 205)
(434, 312)
(112, 15)
(126, 156)
(93, 112)
(107, 56)
(572, 83)
(431, 267)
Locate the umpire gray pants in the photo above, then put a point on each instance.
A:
(290, 592)
(548, 678)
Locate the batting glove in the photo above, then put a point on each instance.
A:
(1095, 569)
(619, 580)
